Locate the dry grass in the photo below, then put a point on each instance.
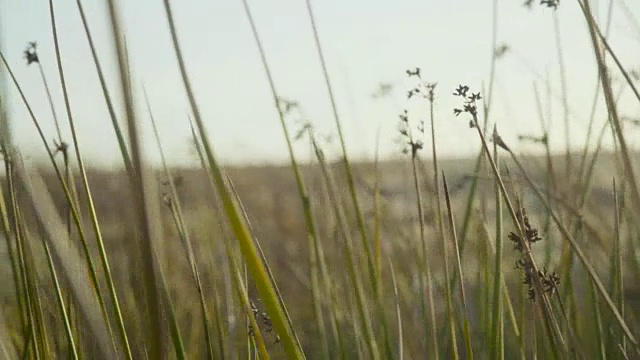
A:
(422, 256)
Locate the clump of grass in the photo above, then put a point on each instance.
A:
(187, 276)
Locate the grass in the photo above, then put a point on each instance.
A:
(500, 256)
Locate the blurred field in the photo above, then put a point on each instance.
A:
(498, 256)
(269, 196)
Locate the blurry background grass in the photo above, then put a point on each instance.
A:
(500, 256)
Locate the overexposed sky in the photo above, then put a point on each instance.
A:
(365, 43)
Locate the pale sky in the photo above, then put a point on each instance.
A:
(365, 43)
